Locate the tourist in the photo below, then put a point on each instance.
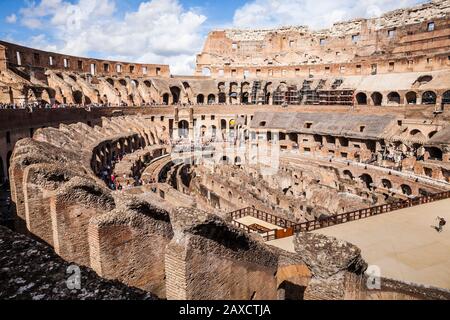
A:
(441, 224)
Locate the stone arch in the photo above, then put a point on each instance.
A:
(2, 171)
(377, 98)
(406, 190)
(211, 99)
(237, 160)
(206, 72)
(435, 153)
(147, 83)
(446, 97)
(268, 92)
(222, 97)
(77, 97)
(431, 134)
(175, 91)
(348, 174)
(166, 98)
(429, 97)
(245, 98)
(110, 81)
(411, 97)
(225, 160)
(386, 183)
(361, 98)
(393, 97)
(223, 124)
(367, 180)
(8, 162)
(213, 131)
(200, 99)
(183, 129)
(123, 82)
(203, 130)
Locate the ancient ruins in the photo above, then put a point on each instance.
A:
(218, 185)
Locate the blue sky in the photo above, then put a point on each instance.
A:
(163, 31)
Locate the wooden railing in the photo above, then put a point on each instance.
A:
(267, 236)
(330, 221)
(368, 212)
(261, 215)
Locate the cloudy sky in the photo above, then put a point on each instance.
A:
(162, 31)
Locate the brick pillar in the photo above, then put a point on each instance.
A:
(3, 62)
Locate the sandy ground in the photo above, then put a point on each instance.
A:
(403, 244)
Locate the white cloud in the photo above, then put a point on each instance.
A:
(316, 14)
(159, 31)
(11, 19)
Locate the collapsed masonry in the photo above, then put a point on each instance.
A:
(148, 243)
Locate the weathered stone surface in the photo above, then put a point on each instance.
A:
(327, 256)
(31, 270)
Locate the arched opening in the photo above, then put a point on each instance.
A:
(183, 129)
(431, 134)
(288, 290)
(411, 97)
(123, 82)
(8, 162)
(147, 83)
(87, 100)
(78, 97)
(268, 92)
(222, 98)
(293, 137)
(245, 96)
(377, 98)
(417, 134)
(435, 153)
(386, 183)
(200, 99)
(166, 98)
(206, 72)
(423, 79)
(223, 124)
(175, 94)
(393, 98)
(406, 190)
(203, 130)
(367, 180)
(361, 98)
(213, 131)
(110, 81)
(2, 172)
(429, 97)
(446, 97)
(225, 160)
(211, 99)
(237, 160)
(348, 175)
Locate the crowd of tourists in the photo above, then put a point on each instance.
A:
(39, 105)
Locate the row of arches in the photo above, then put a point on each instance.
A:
(411, 97)
(369, 182)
